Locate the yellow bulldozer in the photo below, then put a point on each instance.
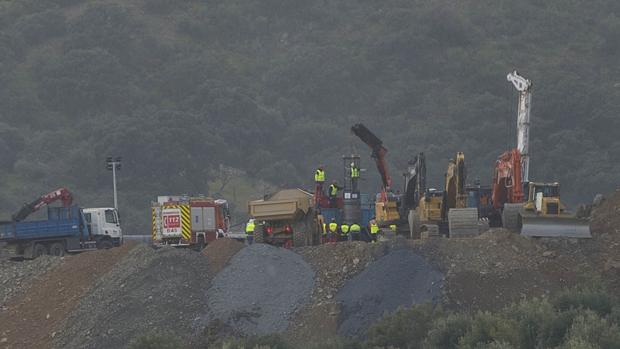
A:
(544, 215)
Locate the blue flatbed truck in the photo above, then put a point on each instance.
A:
(65, 230)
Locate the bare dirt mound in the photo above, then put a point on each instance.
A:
(33, 319)
(220, 251)
(149, 291)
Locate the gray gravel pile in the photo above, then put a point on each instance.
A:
(16, 276)
(260, 289)
(400, 278)
(149, 291)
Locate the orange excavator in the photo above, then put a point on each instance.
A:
(507, 194)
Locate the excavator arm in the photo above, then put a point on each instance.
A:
(415, 183)
(454, 189)
(62, 194)
(378, 152)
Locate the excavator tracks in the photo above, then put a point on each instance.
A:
(463, 222)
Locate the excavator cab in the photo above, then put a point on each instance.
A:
(544, 198)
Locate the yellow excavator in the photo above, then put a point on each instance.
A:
(446, 212)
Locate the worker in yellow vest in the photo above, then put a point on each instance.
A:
(355, 231)
(344, 232)
(374, 230)
(355, 175)
(333, 230)
(249, 230)
(333, 194)
(319, 179)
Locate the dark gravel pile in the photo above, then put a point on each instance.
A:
(400, 278)
(16, 276)
(149, 291)
(260, 289)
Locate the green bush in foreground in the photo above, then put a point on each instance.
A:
(581, 318)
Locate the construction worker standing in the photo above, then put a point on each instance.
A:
(355, 175)
(319, 179)
(333, 229)
(344, 232)
(374, 229)
(249, 230)
(333, 194)
(355, 231)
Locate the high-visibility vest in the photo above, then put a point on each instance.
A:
(344, 229)
(374, 228)
(393, 227)
(355, 172)
(249, 227)
(333, 227)
(333, 190)
(355, 228)
(319, 176)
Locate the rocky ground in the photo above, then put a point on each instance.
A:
(106, 298)
(260, 289)
(401, 278)
(33, 319)
(16, 276)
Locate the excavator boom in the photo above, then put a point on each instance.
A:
(378, 152)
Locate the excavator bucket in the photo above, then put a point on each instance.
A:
(554, 226)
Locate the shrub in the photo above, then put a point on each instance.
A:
(487, 328)
(406, 328)
(591, 328)
(446, 332)
(593, 298)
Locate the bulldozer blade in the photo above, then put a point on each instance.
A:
(569, 227)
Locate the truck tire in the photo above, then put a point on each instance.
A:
(259, 235)
(200, 243)
(38, 250)
(299, 239)
(57, 249)
(105, 244)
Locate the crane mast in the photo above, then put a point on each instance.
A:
(523, 85)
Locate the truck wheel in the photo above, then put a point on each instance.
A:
(57, 249)
(259, 236)
(200, 243)
(299, 239)
(105, 245)
(39, 250)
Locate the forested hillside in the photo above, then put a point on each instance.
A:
(228, 97)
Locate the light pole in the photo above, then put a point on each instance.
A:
(113, 165)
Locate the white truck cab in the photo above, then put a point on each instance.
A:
(104, 225)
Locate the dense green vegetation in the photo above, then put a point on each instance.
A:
(270, 88)
(582, 318)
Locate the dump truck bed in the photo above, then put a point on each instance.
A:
(62, 222)
(286, 204)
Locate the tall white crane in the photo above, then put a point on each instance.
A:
(524, 86)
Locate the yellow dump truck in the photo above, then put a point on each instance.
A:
(286, 218)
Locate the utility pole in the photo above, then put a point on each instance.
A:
(113, 165)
